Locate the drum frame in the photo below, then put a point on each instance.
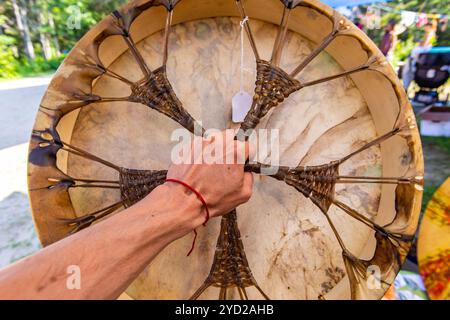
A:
(392, 115)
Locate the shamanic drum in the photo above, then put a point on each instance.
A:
(337, 219)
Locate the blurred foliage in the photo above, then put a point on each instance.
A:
(61, 33)
(412, 35)
(38, 66)
(91, 12)
(403, 50)
(55, 18)
(7, 60)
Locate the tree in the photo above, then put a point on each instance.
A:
(41, 16)
(20, 12)
(51, 24)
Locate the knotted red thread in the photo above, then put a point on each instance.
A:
(200, 197)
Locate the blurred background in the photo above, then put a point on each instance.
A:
(36, 35)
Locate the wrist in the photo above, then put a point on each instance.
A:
(180, 205)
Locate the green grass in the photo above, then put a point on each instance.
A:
(442, 142)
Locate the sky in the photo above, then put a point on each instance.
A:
(339, 3)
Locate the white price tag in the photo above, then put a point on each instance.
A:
(242, 103)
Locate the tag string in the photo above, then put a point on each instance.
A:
(242, 23)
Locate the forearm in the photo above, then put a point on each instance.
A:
(110, 255)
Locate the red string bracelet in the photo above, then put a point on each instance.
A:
(200, 197)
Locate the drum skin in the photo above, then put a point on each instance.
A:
(289, 245)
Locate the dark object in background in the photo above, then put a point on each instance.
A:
(432, 72)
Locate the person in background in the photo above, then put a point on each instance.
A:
(430, 34)
(389, 40)
(426, 44)
(441, 30)
(358, 23)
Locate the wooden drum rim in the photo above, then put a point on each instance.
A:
(392, 115)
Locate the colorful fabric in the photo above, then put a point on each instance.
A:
(434, 244)
(408, 18)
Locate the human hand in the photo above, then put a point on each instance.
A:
(224, 186)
